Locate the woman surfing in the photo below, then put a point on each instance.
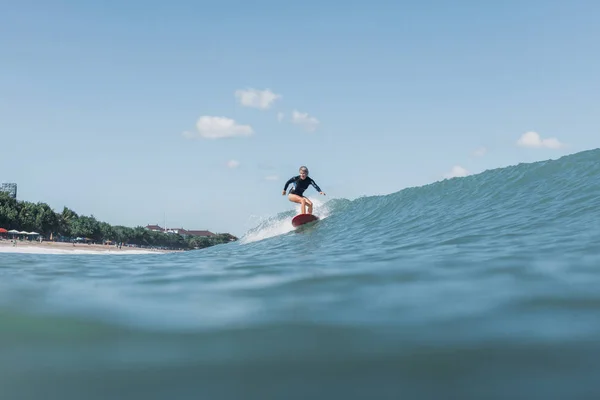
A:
(299, 185)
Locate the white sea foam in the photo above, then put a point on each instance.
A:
(268, 227)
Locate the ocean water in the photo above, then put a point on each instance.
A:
(483, 287)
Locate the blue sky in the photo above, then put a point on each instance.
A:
(128, 110)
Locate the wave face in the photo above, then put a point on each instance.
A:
(482, 287)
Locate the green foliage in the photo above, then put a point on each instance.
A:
(39, 217)
(9, 212)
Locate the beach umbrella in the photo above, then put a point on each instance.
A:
(2, 230)
(13, 231)
(33, 233)
(23, 233)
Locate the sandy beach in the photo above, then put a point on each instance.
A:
(6, 246)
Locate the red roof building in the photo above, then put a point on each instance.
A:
(201, 233)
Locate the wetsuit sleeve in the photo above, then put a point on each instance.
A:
(315, 185)
(292, 179)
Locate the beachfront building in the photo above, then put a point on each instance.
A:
(155, 228)
(180, 231)
(10, 188)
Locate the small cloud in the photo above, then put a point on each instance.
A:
(534, 140)
(280, 116)
(218, 127)
(272, 178)
(480, 152)
(457, 172)
(309, 123)
(233, 164)
(261, 99)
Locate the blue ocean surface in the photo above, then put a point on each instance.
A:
(482, 287)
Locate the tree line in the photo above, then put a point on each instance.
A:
(40, 218)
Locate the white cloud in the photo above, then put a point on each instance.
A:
(309, 123)
(280, 116)
(457, 171)
(261, 99)
(480, 152)
(272, 178)
(233, 164)
(534, 140)
(218, 127)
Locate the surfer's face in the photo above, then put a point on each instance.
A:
(303, 174)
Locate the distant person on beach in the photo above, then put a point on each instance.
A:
(299, 185)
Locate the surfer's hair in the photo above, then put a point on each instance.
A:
(303, 168)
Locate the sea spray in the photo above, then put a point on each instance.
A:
(281, 223)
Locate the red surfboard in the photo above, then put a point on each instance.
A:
(302, 219)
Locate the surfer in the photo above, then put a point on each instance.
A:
(299, 185)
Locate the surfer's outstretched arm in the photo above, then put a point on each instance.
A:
(312, 182)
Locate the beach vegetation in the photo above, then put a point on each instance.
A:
(67, 225)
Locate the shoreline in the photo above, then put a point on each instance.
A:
(6, 246)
